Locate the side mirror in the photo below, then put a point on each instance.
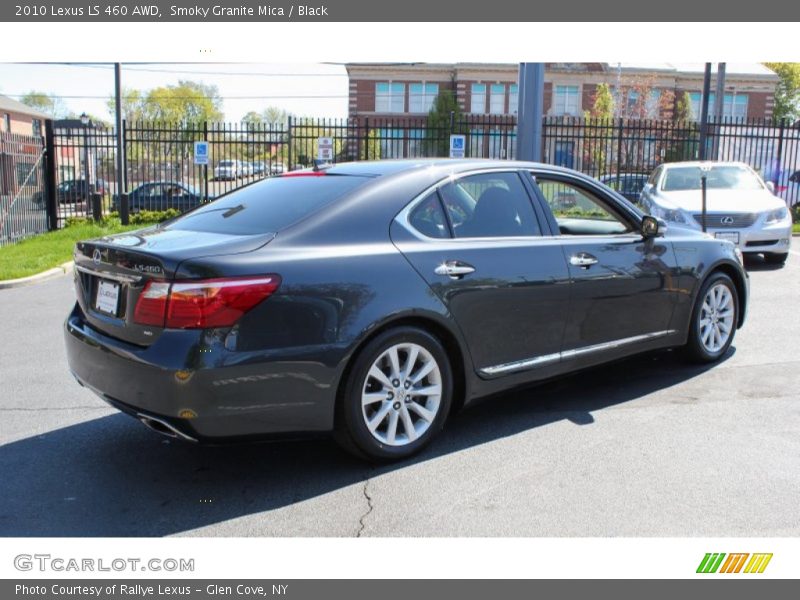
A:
(650, 227)
(771, 187)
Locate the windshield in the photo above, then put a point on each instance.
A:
(268, 206)
(730, 177)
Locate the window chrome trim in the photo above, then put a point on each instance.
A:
(404, 216)
(546, 359)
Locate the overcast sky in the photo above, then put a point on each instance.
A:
(304, 89)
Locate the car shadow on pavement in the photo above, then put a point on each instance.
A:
(112, 477)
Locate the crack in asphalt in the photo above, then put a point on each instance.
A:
(362, 520)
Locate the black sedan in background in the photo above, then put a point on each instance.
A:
(373, 299)
(161, 195)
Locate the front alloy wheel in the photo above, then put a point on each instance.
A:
(714, 319)
(397, 396)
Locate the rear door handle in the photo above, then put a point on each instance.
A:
(454, 269)
(583, 260)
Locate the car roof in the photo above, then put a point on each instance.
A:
(453, 165)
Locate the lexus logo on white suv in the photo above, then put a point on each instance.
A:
(726, 220)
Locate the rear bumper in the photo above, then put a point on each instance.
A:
(188, 381)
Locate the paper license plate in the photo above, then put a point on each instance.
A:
(731, 236)
(107, 297)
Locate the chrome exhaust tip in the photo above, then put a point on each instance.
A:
(164, 428)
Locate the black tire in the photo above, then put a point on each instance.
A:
(352, 432)
(695, 350)
(774, 258)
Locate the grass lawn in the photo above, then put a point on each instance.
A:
(49, 250)
(796, 228)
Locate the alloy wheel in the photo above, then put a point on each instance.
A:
(402, 394)
(716, 318)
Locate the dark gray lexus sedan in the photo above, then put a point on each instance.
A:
(374, 299)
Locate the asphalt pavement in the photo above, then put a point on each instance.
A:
(644, 447)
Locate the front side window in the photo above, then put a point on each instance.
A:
(421, 97)
(566, 100)
(579, 211)
(489, 205)
(478, 98)
(497, 99)
(390, 97)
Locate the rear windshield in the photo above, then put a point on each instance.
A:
(268, 206)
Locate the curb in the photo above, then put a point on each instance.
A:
(43, 276)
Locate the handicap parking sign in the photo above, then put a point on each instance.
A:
(457, 145)
(201, 153)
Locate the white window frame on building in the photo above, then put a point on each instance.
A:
(513, 98)
(480, 105)
(733, 105)
(36, 127)
(421, 96)
(390, 97)
(562, 108)
(7, 122)
(497, 99)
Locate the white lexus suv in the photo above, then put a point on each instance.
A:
(740, 207)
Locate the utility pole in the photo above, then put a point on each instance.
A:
(530, 111)
(704, 112)
(122, 186)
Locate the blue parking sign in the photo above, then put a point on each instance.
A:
(201, 153)
(457, 145)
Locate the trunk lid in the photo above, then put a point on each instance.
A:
(111, 272)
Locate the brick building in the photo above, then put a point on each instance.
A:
(408, 89)
(16, 117)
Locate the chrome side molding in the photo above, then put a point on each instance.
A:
(540, 361)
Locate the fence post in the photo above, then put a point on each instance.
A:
(289, 142)
(620, 131)
(205, 166)
(776, 177)
(366, 139)
(122, 174)
(51, 182)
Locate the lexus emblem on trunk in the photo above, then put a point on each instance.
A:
(726, 220)
(97, 257)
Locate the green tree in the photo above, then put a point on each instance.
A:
(787, 92)
(445, 110)
(596, 148)
(46, 103)
(186, 102)
(133, 105)
(683, 107)
(603, 103)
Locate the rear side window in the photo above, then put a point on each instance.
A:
(268, 206)
(489, 205)
(428, 218)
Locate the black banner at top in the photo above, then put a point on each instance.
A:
(398, 11)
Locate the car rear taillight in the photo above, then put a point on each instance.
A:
(152, 304)
(204, 303)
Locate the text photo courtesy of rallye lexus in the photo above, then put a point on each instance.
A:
(740, 206)
(374, 299)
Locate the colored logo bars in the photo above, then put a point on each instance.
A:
(733, 563)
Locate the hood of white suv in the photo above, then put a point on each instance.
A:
(746, 201)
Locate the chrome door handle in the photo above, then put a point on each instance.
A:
(454, 269)
(583, 260)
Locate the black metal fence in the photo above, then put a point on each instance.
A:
(82, 160)
(23, 201)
